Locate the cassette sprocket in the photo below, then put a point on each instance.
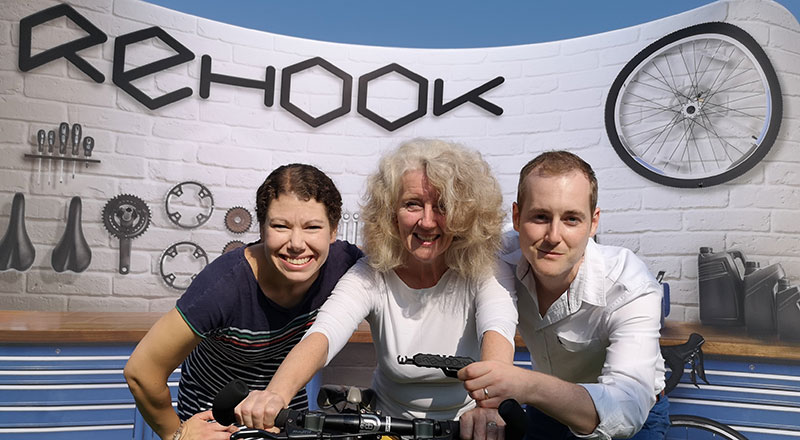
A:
(238, 220)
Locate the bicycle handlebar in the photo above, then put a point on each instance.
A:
(319, 425)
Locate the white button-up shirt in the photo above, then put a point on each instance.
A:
(602, 333)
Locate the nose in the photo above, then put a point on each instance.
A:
(428, 219)
(554, 232)
(296, 241)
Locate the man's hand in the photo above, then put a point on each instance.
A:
(259, 409)
(482, 424)
(492, 382)
(199, 428)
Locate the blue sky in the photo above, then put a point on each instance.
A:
(438, 23)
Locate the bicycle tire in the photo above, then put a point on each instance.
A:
(715, 141)
(695, 423)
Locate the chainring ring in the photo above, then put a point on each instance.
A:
(238, 220)
(126, 216)
(232, 245)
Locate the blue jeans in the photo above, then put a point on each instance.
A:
(543, 427)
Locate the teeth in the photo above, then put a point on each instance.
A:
(298, 260)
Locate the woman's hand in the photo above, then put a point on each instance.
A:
(482, 424)
(202, 427)
(259, 409)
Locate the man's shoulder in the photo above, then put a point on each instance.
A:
(622, 266)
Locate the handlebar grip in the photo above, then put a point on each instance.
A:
(227, 399)
(515, 418)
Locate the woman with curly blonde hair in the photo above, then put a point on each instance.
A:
(470, 203)
(429, 284)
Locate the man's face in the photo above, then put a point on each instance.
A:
(554, 224)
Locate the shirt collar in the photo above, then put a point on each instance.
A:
(588, 286)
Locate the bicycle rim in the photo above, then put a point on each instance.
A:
(696, 428)
(696, 108)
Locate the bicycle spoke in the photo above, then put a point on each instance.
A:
(657, 88)
(666, 131)
(710, 59)
(693, 81)
(664, 80)
(712, 92)
(721, 109)
(710, 129)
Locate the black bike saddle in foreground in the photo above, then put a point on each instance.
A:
(16, 249)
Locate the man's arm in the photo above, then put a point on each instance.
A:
(161, 350)
(625, 390)
(568, 403)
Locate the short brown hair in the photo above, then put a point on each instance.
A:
(556, 163)
(304, 181)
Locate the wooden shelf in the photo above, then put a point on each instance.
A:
(130, 327)
(731, 341)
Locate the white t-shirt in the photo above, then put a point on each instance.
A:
(449, 318)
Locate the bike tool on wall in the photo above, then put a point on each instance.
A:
(65, 137)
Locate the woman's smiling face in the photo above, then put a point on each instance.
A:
(297, 237)
(420, 221)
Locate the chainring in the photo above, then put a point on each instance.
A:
(235, 244)
(238, 220)
(126, 216)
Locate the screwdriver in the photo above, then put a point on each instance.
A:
(41, 138)
(88, 146)
(51, 143)
(76, 144)
(63, 135)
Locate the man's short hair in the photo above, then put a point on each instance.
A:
(557, 163)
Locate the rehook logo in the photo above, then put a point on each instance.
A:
(123, 78)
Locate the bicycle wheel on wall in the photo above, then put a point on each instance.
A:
(698, 428)
(695, 108)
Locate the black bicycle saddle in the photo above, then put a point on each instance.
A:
(16, 249)
(72, 252)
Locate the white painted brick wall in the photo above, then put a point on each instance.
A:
(553, 97)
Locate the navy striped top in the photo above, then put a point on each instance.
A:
(244, 334)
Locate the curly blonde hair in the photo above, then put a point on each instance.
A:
(469, 194)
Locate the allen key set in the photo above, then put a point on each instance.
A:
(70, 145)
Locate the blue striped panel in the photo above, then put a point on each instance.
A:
(123, 432)
(79, 395)
(757, 396)
(766, 416)
(21, 377)
(66, 349)
(42, 416)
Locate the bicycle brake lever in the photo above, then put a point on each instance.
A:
(701, 369)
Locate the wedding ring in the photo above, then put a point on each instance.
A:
(486, 393)
(491, 424)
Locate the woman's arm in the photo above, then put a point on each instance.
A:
(161, 350)
(260, 408)
(495, 347)
(496, 314)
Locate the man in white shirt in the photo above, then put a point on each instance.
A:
(589, 314)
